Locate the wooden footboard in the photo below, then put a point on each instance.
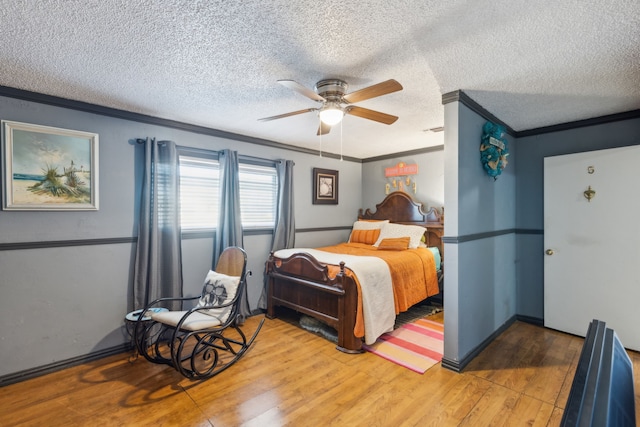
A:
(302, 283)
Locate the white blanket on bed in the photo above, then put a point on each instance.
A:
(373, 273)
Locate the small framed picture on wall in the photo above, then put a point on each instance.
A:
(325, 187)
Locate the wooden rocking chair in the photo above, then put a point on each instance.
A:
(202, 341)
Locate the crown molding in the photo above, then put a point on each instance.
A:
(404, 154)
(463, 98)
(628, 115)
(86, 107)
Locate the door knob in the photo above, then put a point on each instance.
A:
(589, 194)
(549, 252)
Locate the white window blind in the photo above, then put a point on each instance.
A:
(258, 192)
(199, 193)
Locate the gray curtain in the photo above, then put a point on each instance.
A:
(229, 231)
(158, 267)
(284, 233)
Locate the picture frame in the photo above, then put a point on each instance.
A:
(48, 168)
(325, 187)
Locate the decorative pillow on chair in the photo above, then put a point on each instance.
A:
(218, 289)
(390, 231)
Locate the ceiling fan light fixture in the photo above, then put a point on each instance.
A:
(336, 102)
(331, 114)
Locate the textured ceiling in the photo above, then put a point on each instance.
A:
(216, 63)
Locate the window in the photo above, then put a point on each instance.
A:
(199, 190)
(200, 187)
(258, 191)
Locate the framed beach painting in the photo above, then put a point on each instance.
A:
(49, 169)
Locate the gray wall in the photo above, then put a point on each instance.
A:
(480, 269)
(529, 197)
(64, 302)
(430, 178)
(490, 279)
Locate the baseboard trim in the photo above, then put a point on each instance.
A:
(62, 364)
(458, 366)
(530, 319)
(452, 365)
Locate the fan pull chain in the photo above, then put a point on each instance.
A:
(320, 127)
(341, 139)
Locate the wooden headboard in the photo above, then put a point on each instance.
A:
(400, 208)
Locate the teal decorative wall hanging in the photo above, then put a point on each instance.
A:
(493, 149)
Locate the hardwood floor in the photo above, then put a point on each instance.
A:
(292, 377)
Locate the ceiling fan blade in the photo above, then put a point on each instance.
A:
(293, 113)
(293, 85)
(323, 129)
(376, 116)
(379, 89)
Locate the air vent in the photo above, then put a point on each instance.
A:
(436, 129)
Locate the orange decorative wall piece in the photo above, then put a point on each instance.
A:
(401, 169)
(399, 177)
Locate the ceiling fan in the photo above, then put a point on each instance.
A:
(335, 103)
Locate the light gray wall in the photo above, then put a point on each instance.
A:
(480, 272)
(530, 191)
(65, 302)
(430, 178)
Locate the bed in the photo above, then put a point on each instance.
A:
(325, 283)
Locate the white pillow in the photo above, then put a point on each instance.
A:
(369, 225)
(392, 231)
(218, 289)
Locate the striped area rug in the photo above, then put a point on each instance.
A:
(417, 345)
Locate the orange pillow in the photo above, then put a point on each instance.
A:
(368, 237)
(394, 244)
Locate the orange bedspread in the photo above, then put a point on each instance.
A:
(413, 273)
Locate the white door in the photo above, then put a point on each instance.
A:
(592, 248)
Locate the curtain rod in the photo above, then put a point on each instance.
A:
(254, 159)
